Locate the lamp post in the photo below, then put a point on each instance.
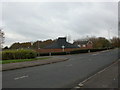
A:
(31, 44)
(38, 48)
(109, 38)
(63, 47)
(1, 39)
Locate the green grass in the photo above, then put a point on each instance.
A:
(21, 60)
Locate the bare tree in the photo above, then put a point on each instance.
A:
(1, 38)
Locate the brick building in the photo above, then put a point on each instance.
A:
(84, 44)
(60, 45)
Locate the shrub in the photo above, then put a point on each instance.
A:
(95, 50)
(43, 54)
(58, 53)
(18, 54)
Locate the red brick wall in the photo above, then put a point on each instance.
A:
(60, 50)
(56, 50)
(89, 46)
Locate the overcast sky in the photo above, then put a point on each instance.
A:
(31, 21)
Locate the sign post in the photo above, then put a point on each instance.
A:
(63, 47)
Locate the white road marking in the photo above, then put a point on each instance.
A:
(103, 51)
(20, 77)
(76, 87)
(94, 54)
(98, 73)
(80, 84)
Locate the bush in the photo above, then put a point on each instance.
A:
(43, 54)
(95, 50)
(18, 54)
(58, 53)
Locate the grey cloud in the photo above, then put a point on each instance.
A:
(50, 20)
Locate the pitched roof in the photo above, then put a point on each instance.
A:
(61, 42)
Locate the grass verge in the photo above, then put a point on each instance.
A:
(21, 60)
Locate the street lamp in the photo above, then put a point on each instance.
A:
(38, 45)
(63, 47)
(109, 38)
(38, 48)
(31, 43)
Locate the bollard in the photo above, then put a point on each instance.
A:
(88, 51)
(49, 54)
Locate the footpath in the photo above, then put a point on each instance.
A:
(12, 66)
(107, 78)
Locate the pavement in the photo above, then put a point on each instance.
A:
(12, 66)
(106, 78)
(67, 74)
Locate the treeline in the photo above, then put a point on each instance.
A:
(98, 42)
(101, 42)
(30, 45)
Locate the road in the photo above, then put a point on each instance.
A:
(65, 74)
(104, 78)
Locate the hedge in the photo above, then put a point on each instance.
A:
(79, 51)
(52, 53)
(43, 54)
(58, 53)
(73, 52)
(18, 54)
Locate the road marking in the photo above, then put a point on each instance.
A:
(80, 84)
(20, 77)
(98, 72)
(103, 51)
(76, 87)
(94, 54)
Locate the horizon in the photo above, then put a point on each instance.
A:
(82, 39)
(26, 21)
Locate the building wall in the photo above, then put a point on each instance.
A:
(89, 45)
(56, 50)
(86, 46)
(60, 50)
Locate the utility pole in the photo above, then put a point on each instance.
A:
(38, 48)
(109, 37)
(109, 34)
(31, 44)
(38, 45)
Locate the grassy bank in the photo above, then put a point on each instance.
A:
(21, 60)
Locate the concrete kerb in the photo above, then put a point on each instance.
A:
(13, 66)
(81, 84)
(89, 52)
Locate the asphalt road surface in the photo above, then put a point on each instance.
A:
(65, 74)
